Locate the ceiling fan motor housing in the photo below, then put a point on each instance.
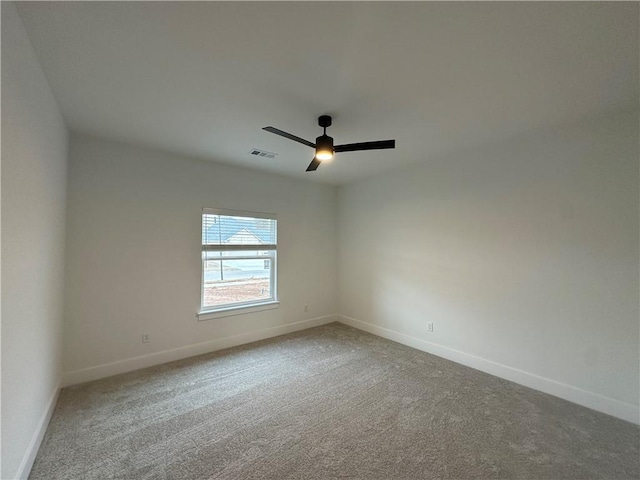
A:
(324, 142)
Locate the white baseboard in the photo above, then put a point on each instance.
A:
(610, 406)
(106, 370)
(32, 450)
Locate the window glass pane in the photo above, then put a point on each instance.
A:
(236, 281)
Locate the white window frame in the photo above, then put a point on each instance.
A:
(207, 313)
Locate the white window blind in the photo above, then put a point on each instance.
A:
(231, 230)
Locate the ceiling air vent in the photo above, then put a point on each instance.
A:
(261, 153)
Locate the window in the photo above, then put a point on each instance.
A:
(238, 259)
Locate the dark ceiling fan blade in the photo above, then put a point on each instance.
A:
(289, 136)
(352, 147)
(313, 166)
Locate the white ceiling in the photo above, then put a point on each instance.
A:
(202, 79)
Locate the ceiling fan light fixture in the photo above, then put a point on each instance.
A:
(324, 155)
(324, 148)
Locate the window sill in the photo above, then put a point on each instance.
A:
(239, 310)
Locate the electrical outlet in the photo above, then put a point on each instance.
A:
(429, 326)
(145, 338)
(306, 308)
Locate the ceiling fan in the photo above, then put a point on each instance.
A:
(324, 143)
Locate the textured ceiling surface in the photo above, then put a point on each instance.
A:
(202, 78)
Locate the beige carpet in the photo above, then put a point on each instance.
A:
(329, 402)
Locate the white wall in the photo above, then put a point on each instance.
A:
(524, 255)
(133, 255)
(34, 169)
